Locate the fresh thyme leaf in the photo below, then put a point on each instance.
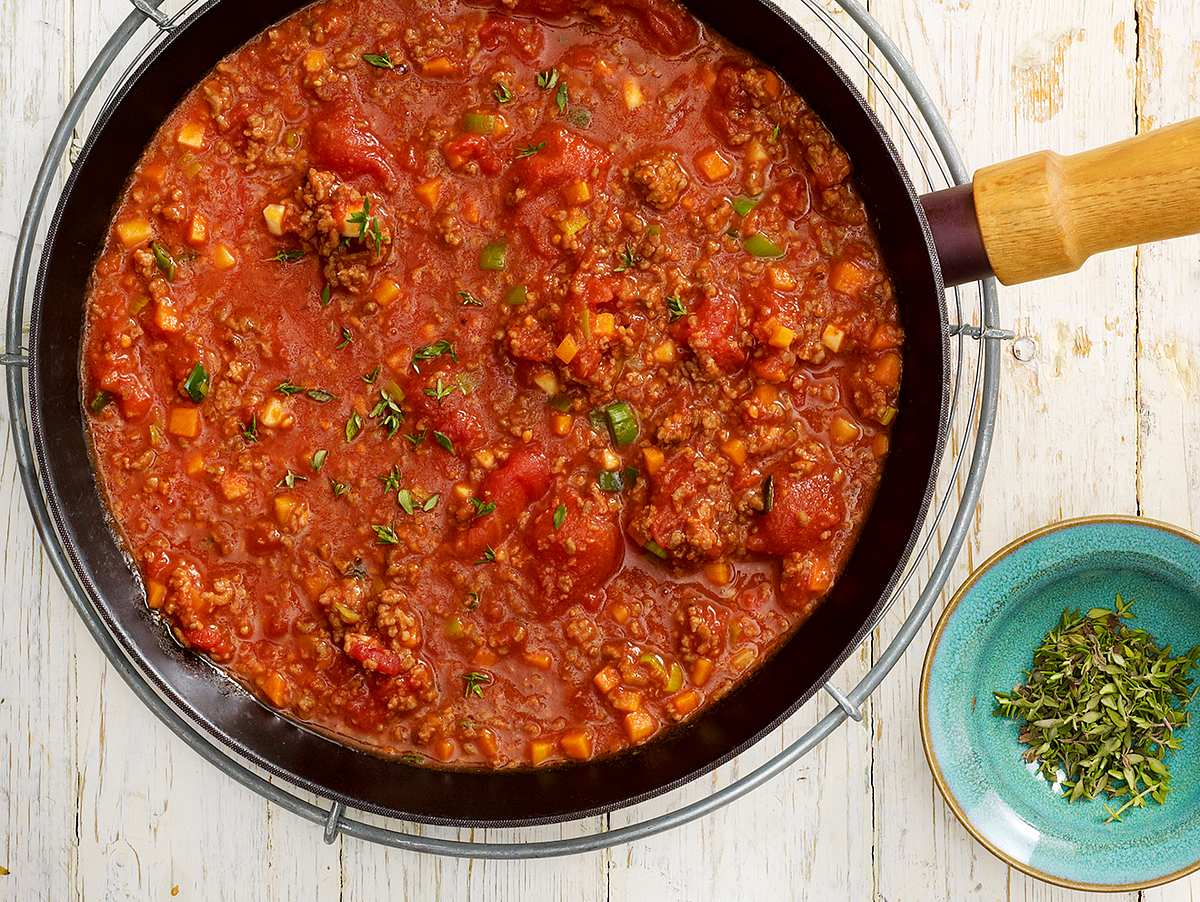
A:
(325, 295)
(99, 401)
(386, 535)
(482, 508)
(391, 480)
(472, 601)
(1103, 704)
(415, 437)
(562, 97)
(291, 255)
(444, 440)
(775, 133)
(250, 430)
(289, 388)
(370, 377)
(361, 217)
(547, 79)
(440, 392)
(353, 426)
(474, 682)
(389, 412)
(488, 556)
(469, 300)
(768, 494)
(405, 499)
(290, 479)
(379, 60)
(318, 459)
(436, 349)
(502, 93)
(320, 395)
(629, 259)
(339, 488)
(676, 309)
(430, 503)
(579, 117)
(531, 149)
(560, 516)
(347, 337)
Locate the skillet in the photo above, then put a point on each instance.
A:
(462, 797)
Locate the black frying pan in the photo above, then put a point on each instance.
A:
(362, 780)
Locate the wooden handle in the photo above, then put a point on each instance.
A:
(1044, 214)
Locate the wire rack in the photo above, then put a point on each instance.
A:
(910, 116)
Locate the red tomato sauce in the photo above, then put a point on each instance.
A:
(491, 385)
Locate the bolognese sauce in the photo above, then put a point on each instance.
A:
(492, 384)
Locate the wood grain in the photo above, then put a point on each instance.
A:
(100, 802)
(1044, 214)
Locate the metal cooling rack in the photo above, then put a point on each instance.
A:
(911, 118)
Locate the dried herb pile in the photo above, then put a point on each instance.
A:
(1103, 704)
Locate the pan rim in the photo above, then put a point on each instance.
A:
(196, 716)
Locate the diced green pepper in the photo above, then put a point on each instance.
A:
(742, 204)
(479, 123)
(759, 245)
(517, 295)
(494, 256)
(622, 422)
(195, 386)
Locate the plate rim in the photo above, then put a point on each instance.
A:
(939, 778)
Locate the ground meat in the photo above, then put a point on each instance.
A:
(702, 630)
(658, 180)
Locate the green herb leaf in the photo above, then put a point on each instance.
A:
(291, 255)
(547, 79)
(415, 437)
(289, 388)
(560, 516)
(99, 401)
(325, 295)
(629, 260)
(318, 459)
(289, 480)
(482, 508)
(379, 60)
(164, 260)
(530, 149)
(472, 601)
(440, 392)
(320, 395)
(444, 440)
(430, 503)
(386, 535)
(579, 117)
(347, 337)
(474, 682)
(488, 556)
(502, 93)
(339, 488)
(370, 377)
(562, 97)
(676, 309)
(391, 480)
(195, 386)
(768, 494)
(405, 499)
(469, 300)
(353, 426)
(655, 549)
(250, 430)
(436, 349)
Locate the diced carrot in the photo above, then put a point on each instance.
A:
(285, 506)
(833, 337)
(578, 192)
(133, 232)
(155, 172)
(713, 166)
(576, 744)
(735, 450)
(639, 725)
(314, 60)
(234, 487)
(604, 325)
(842, 431)
(820, 577)
(484, 657)
(441, 66)
(191, 134)
(625, 699)
(780, 278)
(766, 394)
(275, 687)
(685, 702)
(429, 192)
(197, 230)
(184, 422)
(560, 423)
(567, 349)
(879, 445)
(607, 679)
(540, 750)
(781, 337)
(223, 257)
(885, 336)
(665, 352)
(620, 613)
(886, 371)
(538, 659)
(847, 277)
(193, 464)
(719, 573)
(155, 593)
(653, 458)
(386, 292)
(443, 749)
(486, 741)
(756, 153)
(701, 671)
(165, 316)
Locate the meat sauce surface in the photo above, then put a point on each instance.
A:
(494, 385)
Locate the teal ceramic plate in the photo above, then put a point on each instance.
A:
(984, 642)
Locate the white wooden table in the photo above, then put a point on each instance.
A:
(99, 801)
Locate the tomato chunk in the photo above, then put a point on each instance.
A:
(562, 156)
(343, 142)
(524, 478)
(804, 508)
